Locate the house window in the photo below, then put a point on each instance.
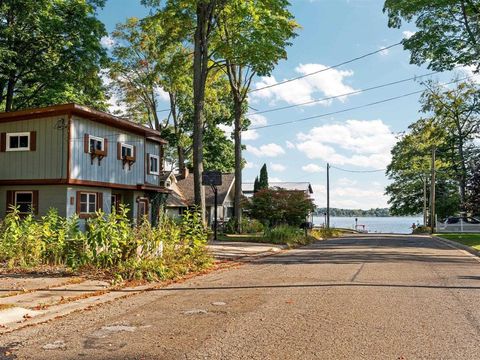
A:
(18, 141)
(24, 201)
(154, 162)
(88, 203)
(127, 151)
(96, 144)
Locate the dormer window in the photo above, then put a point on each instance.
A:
(168, 183)
(153, 164)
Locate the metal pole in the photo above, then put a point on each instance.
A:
(425, 201)
(432, 194)
(328, 196)
(215, 212)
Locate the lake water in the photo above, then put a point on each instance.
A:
(399, 225)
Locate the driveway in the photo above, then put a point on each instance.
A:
(359, 297)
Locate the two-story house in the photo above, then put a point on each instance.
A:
(78, 160)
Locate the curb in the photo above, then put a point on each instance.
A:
(457, 245)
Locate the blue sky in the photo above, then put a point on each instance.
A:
(332, 31)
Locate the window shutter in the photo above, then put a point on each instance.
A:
(10, 199)
(79, 208)
(134, 152)
(160, 165)
(119, 150)
(33, 140)
(99, 201)
(3, 142)
(105, 145)
(35, 201)
(86, 142)
(148, 163)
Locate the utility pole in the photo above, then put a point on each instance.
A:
(432, 193)
(425, 216)
(328, 196)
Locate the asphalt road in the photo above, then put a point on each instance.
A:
(363, 297)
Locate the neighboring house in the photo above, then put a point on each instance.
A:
(78, 160)
(182, 196)
(247, 188)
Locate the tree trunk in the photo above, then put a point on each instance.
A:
(200, 68)
(178, 134)
(238, 164)
(463, 174)
(10, 92)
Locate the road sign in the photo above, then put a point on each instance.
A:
(212, 178)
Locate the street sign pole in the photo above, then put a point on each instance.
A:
(328, 196)
(215, 223)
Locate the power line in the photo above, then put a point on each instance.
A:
(352, 108)
(357, 171)
(327, 68)
(345, 94)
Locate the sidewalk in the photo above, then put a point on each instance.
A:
(27, 299)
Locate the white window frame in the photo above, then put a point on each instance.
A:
(128, 146)
(96, 138)
(10, 135)
(150, 164)
(23, 192)
(88, 212)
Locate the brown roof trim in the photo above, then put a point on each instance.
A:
(153, 188)
(33, 182)
(83, 111)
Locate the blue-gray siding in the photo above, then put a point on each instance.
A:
(110, 169)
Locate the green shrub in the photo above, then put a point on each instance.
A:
(249, 226)
(289, 235)
(110, 243)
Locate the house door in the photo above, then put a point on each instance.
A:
(142, 210)
(116, 201)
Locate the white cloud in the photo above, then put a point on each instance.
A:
(328, 83)
(257, 120)
(274, 179)
(384, 51)
(346, 182)
(363, 143)
(268, 150)
(250, 135)
(277, 167)
(312, 168)
(107, 42)
(290, 145)
(407, 34)
(162, 94)
(250, 165)
(227, 129)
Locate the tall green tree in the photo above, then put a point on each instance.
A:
(448, 31)
(50, 52)
(457, 111)
(145, 67)
(252, 37)
(263, 179)
(410, 171)
(255, 185)
(194, 22)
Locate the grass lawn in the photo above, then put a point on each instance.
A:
(472, 240)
